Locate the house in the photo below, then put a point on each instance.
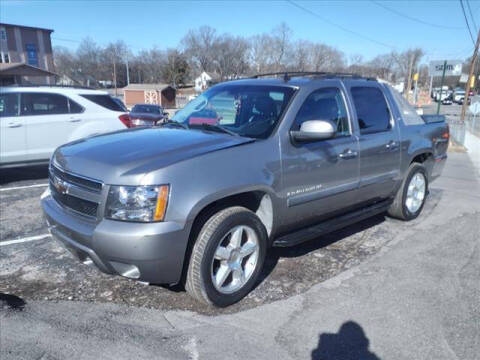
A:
(160, 94)
(25, 55)
(202, 82)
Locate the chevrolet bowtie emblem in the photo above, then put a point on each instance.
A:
(60, 185)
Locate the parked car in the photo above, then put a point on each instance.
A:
(458, 96)
(275, 162)
(36, 120)
(448, 100)
(147, 115)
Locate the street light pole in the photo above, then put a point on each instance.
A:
(441, 86)
(128, 71)
(468, 85)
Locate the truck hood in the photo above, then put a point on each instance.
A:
(121, 155)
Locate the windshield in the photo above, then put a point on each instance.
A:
(247, 110)
(146, 109)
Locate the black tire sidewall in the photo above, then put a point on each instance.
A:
(243, 218)
(417, 168)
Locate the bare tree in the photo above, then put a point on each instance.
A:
(198, 45)
(230, 57)
(175, 69)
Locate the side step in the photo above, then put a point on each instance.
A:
(333, 224)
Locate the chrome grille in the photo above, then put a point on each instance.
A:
(74, 192)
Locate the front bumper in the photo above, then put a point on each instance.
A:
(152, 252)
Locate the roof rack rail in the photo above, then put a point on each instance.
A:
(287, 75)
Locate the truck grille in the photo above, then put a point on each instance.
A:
(67, 190)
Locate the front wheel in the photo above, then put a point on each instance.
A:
(227, 257)
(410, 198)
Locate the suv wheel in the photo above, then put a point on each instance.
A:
(411, 196)
(227, 257)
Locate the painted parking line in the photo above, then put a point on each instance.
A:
(23, 187)
(22, 240)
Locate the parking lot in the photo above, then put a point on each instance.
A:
(35, 267)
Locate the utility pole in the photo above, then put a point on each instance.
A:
(128, 71)
(115, 76)
(409, 80)
(441, 87)
(468, 85)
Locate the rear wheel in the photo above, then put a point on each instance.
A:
(227, 257)
(410, 198)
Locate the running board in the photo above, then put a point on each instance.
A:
(333, 224)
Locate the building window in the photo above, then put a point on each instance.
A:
(32, 56)
(4, 58)
(3, 34)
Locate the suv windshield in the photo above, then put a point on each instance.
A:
(247, 110)
(151, 109)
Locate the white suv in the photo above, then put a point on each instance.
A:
(36, 120)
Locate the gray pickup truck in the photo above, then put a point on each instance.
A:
(248, 164)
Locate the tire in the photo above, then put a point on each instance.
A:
(208, 263)
(402, 210)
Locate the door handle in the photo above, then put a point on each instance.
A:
(75, 120)
(14, 125)
(348, 154)
(392, 145)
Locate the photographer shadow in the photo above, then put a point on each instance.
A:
(350, 343)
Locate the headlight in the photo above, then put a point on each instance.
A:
(137, 203)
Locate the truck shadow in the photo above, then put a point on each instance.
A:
(350, 343)
(276, 253)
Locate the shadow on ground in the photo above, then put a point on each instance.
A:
(23, 174)
(350, 343)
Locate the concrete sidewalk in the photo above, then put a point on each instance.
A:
(419, 298)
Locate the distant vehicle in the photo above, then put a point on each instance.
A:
(448, 100)
(441, 95)
(146, 115)
(458, 96)
(34, 120)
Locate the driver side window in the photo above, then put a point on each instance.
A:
(325, 104)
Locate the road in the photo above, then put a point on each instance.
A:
(416, 296)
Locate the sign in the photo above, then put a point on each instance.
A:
(475, 108)
(463, 78)
(454, 68)
(415, 77)
(472, 81)
(32, 56)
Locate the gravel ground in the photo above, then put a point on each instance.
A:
(43, 270)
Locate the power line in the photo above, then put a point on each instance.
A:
(340, 26)
(471, 15)
(466, 21)
(414, 19)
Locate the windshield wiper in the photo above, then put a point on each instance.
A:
(174, 124)
(218, 128)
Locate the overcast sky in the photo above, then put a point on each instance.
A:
(354, 27)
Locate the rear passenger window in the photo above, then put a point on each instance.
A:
(324, 104)
(105, 101)
(74, 107)
(372, 110)
(43, 104)
(9, 104)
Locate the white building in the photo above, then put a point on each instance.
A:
(202, 82)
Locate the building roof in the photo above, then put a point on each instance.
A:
(23, 70)
(26, 27)
(158, 87)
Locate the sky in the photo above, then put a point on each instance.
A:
(354, 27)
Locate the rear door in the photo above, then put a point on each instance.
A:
(13, 145)
(48, 122)
(379, 141)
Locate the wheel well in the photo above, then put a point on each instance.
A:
(421, 158)
(257, 201)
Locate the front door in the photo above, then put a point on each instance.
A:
(379, 142)
(321, 177)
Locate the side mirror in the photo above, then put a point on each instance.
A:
(314, 130)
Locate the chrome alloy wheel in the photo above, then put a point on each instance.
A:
(235, 259)
(415, 192)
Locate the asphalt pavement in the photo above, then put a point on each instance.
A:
(415, 297)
